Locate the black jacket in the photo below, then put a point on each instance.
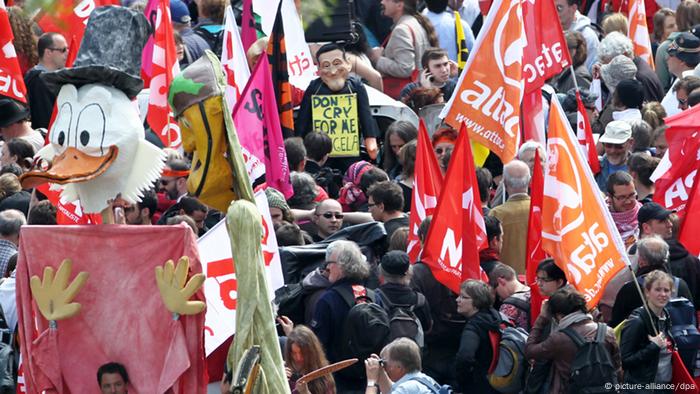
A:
(687, 267)
(475, 353)
(628, 297)
(640, 356)
(404, 295)
(447, 323)
(41, 100)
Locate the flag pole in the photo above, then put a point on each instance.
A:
(573, 76)
(641, 295)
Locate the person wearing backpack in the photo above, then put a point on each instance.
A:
(474, 357)
(346, 320)
(515, 296)
(566, 343)
(646, 343)
(408, 310)
(210, 23)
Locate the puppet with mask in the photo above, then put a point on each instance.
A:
(337, 104)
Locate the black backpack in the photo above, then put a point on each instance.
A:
(592, 368)
(290, 302)
(365, 330)
(403, 321)
(330, 180)
(213, 35)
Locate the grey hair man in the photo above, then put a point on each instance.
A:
(514, 214)
(398, 370)
(11, 220)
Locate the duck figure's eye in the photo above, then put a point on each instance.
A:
(84, 137)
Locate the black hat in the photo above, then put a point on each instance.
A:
(395, 262)
(11, 112)
(652, 210)
(686, 46)
(110, 52)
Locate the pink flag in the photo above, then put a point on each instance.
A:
(248, 31)
(258, 126)
(147, 53)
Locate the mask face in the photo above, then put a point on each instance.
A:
(333, 69)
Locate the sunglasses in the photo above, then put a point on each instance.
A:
(614, 146)
(329, 215)
(62, 50)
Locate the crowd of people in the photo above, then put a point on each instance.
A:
(409, 50)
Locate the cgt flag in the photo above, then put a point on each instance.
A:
(427, 183)
(691, 225)
(11, 80)
(490, 89)
(165, 68)
(457, 231)
(534, 253)
(581, 238)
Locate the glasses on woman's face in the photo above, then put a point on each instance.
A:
(540, 279)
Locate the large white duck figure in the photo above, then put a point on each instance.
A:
(97, 146)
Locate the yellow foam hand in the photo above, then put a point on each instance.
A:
(54, 295)
(173, 290)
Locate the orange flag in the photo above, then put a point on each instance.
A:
(427, 183)
(638, 33)
(490, 89)
(457, 231)
(581, 238)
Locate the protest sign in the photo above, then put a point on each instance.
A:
(336, 115)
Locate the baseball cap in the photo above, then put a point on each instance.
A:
(616, 132)
(395, 262)
(652, 210)
(179, 12)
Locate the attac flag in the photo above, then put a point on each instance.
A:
(457, 231)
(638, 32)
(277, 54)
(535, 253)
(690, 228)
(581, 238)
(69, 17)
(674, 177)
(490, 89)
(11, 80)
(584, 134)
(427, 183)
(233, 59)
(258, 127)
(165, 68)
(462, 50)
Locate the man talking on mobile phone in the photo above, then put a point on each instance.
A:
(438, 72)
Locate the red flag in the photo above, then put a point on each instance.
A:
(67, 213)
(249, 33)
(147, 53)
(690, 227)
(11, 81)
(427, 183)
(585, 136)
(73, 48)
(457, 231)
(535, 253)
(577, 229)
(69, 17)
(546, 53)
(165, 67)
(533, 124)
(675, 175)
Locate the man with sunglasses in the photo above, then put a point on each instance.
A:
(618, 142)
(683, 56)
(328, 218)
(53, 53)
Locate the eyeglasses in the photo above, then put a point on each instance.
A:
(629, 197)
(463, 297)
(543, 280)
(614, 146)
(165, 182)
(329, 215)
(62, 50)
(682, 102)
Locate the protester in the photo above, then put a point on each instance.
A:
(572, 20)
(318, 146)
(617, 141)
(550, 277)
(623, 205)
(11, 194)
(397, 135)
(351, 195)
(358, 56)
(437, 73)
(444, 23)
(653, 113)
(641, 165)
(646, 342)
(194, 44)
(683, 87)
(327, 218)
(303, 353)
(443, 141)
(385, 203)
(577, 49)
(14, 123)
(514, 296)
(18, 151)
(53, 53)
(687, 16)
(567, 309)
(396, 272)
(11, 221)
(24, 41)
(407, 158)
(491, 256)
(664, 25)
(113, 378)
(616, 21)
(475, 302)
